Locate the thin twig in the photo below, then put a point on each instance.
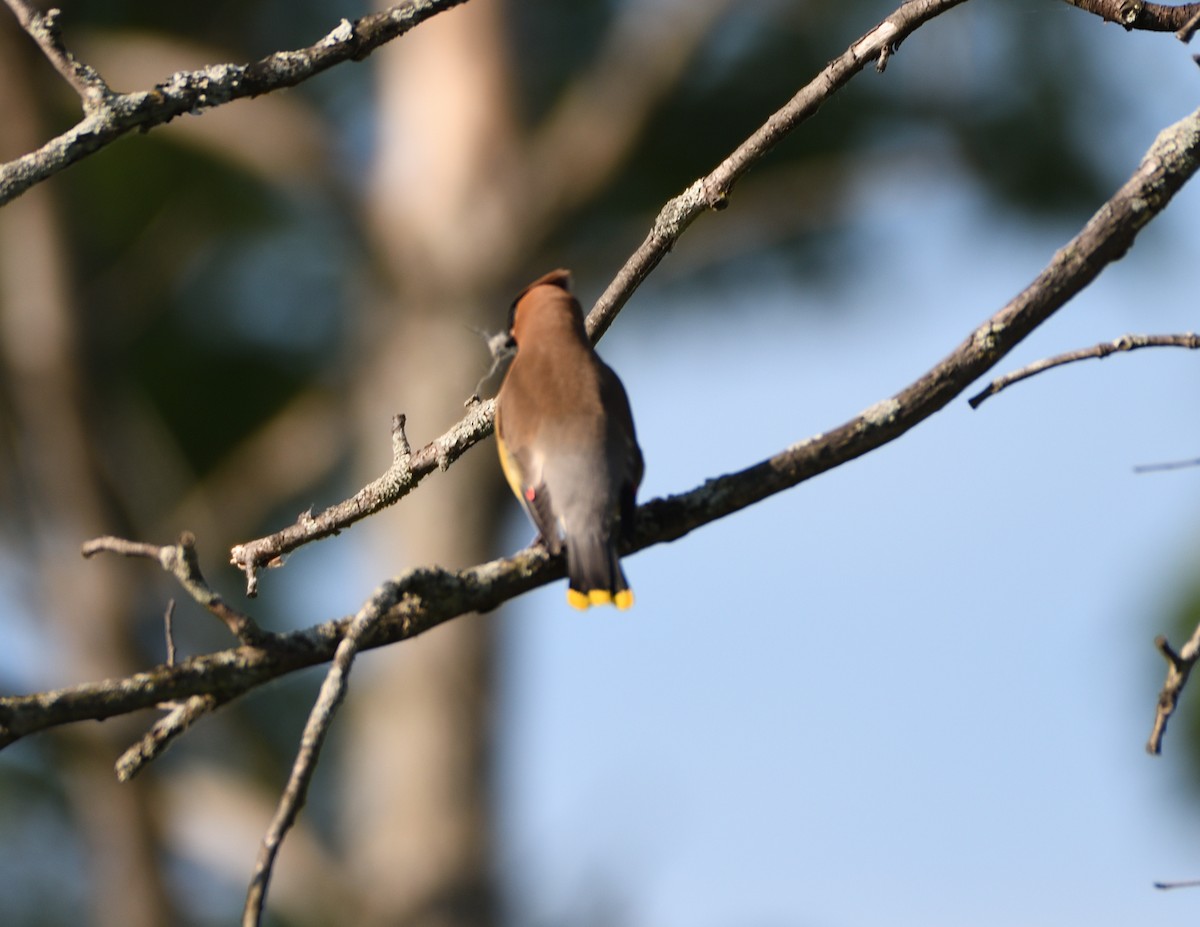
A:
(1172, 465)
(163, 733)
(1179, 668)
(1102, 350)
(93, 92)
(333, 691)
(180, 561)
(401, 477)
(1188, 883)
(168, 615)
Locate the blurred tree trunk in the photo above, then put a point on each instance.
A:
(88, 614)
(418, 754)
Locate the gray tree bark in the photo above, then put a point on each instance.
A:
(419, 718)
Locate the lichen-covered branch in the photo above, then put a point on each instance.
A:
(1153, 17)
(406, 470)
(109, 115)
(181, 561)
(93, 92)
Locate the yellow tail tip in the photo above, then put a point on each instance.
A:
(585, 600)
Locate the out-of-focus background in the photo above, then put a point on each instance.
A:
(914, 690)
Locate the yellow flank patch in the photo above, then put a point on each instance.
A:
(599, 596)
(624, 599)
(577, 599)
(509, 466)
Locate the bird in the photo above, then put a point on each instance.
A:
(566, 439)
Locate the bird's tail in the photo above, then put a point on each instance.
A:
(595, 574)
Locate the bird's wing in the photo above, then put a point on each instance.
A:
(525, 479)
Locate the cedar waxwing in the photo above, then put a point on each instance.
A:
(566, 440)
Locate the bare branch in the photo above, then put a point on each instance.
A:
(406, 471)
(43, 29)
(333, 691)
(163, 733)
(710, 191)
(1170, 161)
(1153, 17)
(1179, 668)
(1102, 350)
(165, 730)
(112, 115)
(180, 561)
(413, 603)
(424, 598)
(169, 631)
